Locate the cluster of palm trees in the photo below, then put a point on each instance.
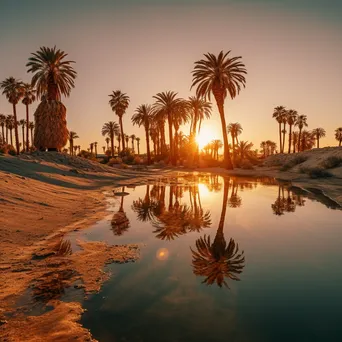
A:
(16, 91)
(302, 139)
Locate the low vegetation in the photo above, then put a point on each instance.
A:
(315, 172)
(331, 162)
(293, 162)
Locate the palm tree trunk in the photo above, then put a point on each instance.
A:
(219, 237)
(27, 128)
(317, 141)
(176, 146)
(23, 133)
(139, 148)
(290, 137)
(227, 160)
(233, 142)
(112, 145)
(299, 138)
(122, 134)
(3, 133)
(340, 142)
(284, 129)
(71, 147)
(169, 119)
(6, 135)
(11, 134)
(280, 145)
(31, 136)
(147, 144)
(16, 128)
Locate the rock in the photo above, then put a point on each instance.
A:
(74, 171)
(79, 286)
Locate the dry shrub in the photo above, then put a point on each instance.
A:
(115, 161)
(51, 128)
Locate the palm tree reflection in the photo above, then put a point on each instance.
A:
(217, 260)
(120, 221)
(286, 204)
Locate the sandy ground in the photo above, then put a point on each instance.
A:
(44, 195)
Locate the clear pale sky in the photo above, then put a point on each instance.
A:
(292, 51)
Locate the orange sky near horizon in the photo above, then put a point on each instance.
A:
(293, 58)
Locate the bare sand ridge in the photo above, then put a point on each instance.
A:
(44, 195)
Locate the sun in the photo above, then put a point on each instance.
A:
(205, 136)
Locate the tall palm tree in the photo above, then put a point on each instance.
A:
(234, 129)
(119, 103)
(13, 90)
(126, 139)
(110, 128)
(9, 127)
(91, 148)
(143, 116)
(132, 137)
(107, 142)
(22, 123)
(318, 133)
(338, 135)
(263, 146)
(158, 124)
(279, 113)
(217, 260)
(2, 124)
(118, 138)
(219, 75)
(300, 122)
(29, 96)
(31, 126)
(291, 117)
(53, 77)
(307, 140)
(72, 136)
(180, 116)
(138, 144)
(169, 104)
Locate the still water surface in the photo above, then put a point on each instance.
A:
(222, 259)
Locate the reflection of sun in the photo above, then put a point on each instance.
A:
(162, 254)
(203, 190)
(205, 136)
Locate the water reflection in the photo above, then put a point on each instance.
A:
(217, 261)
(120, 222)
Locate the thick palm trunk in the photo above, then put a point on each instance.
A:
(16, 128)
(280, 142)
(147, 145)
(290, 137)
(31, 137)
(340, 142)
(6, 135)
(138, 145)
(3, 133)
(317, 141)
(169, 119)
(233, 142)
(27, 129)
(11, 134)
(219, 101)
(122, 133)
(71, 148)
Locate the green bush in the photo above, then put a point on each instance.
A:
(331, 162)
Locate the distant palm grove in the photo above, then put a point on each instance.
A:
(215, 77)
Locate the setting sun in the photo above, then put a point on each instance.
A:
(206, 135)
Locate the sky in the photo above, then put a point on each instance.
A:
(292, 51)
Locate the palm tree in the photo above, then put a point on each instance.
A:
(263, 146)
(234, 129)
(295, 137)
(95, 145)
(22, 123)
(13, 90)
(216, 260)
(2, 124)
(104, 149)
(119, 103)
(143, 116)
(244, 149)
(291, 116)
(180, 117)
(53, 77)
(338, 135)
(72, 136)
(126, 139)
(169, 104)
(29, 96)
(31, 126)
(132, 137)
(75, 149)
(217, 144)
(110, 128)
(120, 221)
(138, 144)
(91, 148)
(107, 142)
(278, 114)
(300, 122)
(221, 76)
(118, 138)
(9, 127)
(308, 140)
(318, 133)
